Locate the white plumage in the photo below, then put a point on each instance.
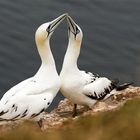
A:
(32, 96)
(78, 86)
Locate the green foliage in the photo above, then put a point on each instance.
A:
(122, 124)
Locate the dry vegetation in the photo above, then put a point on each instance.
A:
(114, 119)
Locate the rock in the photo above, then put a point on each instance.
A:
(59, 116)
(64, 110)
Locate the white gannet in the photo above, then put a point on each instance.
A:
(31, 97)
(80, 87)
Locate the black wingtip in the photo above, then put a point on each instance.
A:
(123, 86)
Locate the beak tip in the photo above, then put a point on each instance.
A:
(69, 19)
(65, 15)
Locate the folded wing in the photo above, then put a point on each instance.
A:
(99, 88)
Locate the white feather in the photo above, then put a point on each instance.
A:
(78, 85)
(33, 95)
(97, 86)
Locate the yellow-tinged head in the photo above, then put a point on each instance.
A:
(45, 31)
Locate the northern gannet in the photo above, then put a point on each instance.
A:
(80, 87)
(31, 97)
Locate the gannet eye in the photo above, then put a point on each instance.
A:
(77, 30)
(49, 28)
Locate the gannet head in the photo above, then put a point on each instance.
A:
(75, 32)
(45, 31)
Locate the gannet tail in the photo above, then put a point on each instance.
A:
(120, 87)
(117, 87)
(123, 86)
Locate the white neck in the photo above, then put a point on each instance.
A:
(71, 56)
(48, 63)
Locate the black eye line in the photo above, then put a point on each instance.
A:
(77, 31)
(49, 27)
(72, 32)
(72, 27)
(56, 22)
(71, 23)
(49, 32)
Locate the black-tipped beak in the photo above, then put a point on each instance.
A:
(73, 27)
(56, 22)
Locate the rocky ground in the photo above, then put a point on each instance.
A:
(63, 112)
(58, 117)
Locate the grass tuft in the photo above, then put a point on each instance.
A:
(122, 124)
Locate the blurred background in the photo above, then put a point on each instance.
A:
(111, 43)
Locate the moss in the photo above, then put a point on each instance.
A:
(122, 124)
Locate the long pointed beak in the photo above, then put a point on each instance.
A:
(72, 25)
(56, 22)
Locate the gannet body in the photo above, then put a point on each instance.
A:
(79, 86)
(31, 97)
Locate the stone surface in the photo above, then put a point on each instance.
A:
(63, 112)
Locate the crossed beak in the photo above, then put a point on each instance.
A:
(72, 26)
(56, 22)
